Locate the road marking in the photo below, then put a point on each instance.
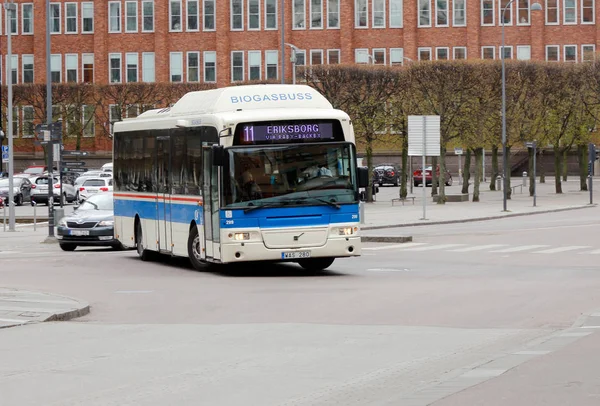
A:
(434, 247)
(479, 248)
(388, 247)
(531, 352)
(595, 252)
(562, 249)
(388, 270)
(589, 327)
(15, 321)
(133, 291)
(521, 248)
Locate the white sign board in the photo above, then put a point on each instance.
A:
(458, 151)
(56, 152)
(424, 135)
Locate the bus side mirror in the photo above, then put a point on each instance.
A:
(218, 155)
(363, 177)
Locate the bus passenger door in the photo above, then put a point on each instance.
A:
(210, 197)
(163, 166)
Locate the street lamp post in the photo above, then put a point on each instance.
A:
(293, 60)
(505, 170)
(10, 9)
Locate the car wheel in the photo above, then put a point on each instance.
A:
(416, 183)
(77, 197)
(316, 264)
(19, 200)
(194, 250)
(118, 247)
(143, 253)
(67, 247)
(63, 199)
(396, 182)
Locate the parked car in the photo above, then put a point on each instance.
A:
(418, 177)
(107, 167)
(386, 174)
(91, 224)
(91, 186)
(21, 190)
(39, 190)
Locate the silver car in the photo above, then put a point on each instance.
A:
(39, 190)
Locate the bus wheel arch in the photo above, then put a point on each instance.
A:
(143, 253)
(194, 247)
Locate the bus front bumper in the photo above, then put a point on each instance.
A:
(256, 251)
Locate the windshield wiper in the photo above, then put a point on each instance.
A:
(93, 204)
(263, 205)
(328, 202)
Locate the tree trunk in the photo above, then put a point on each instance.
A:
(369, 154)
(434, 177)
(506, 171)
(404, 173)
(542, 168)
(557, 169)
(466, 175)
(531, 171)
(442, 196)
(477, 180)
(583, 170)
(565, 167)
(494, 175)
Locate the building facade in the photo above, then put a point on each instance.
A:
(227, 41)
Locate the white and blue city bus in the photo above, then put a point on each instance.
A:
(240, 174)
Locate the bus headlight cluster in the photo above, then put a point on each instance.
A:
(347, 230)
(239, 236)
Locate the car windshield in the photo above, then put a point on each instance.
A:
(35, 170)
(44, 181)
(290, 175)
(93, 182)
(98, 202)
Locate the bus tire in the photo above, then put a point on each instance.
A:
(143, 253)
(316, 264)
(194, 252)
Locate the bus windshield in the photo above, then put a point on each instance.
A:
(284, 175)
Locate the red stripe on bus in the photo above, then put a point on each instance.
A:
(180, 199)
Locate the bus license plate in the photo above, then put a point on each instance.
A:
(79, 232)
(295, 255)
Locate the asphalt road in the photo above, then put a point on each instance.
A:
(463, 308)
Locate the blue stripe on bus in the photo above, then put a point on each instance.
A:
(147, 209)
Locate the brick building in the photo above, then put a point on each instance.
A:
(220, 42)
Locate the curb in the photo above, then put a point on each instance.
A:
(72, 314)
(385, 239)
(587, 206)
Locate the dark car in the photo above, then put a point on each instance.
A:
(418, 177)
(21, 190)
(92, 224)
(386, 174)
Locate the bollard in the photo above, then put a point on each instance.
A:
(499, 183)
(4, 216)
(524, 179)
(34, 218)
(362, 212)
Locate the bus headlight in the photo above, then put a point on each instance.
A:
(347, 230)
(239, 236)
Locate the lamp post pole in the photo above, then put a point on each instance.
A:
(50, 145)
(504, 154)
(282, 5)
(10, 8)
(293, 60)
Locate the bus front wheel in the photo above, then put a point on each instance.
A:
(143, 253)
(194, 249)
(316, 264)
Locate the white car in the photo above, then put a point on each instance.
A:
(107, 167)
(39, 190)
(92, 186)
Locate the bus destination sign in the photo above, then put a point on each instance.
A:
(276, 133)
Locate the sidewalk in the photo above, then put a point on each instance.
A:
(19, 307)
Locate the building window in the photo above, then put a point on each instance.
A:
(588, 53)
(14, 65)
(175, 15)
(114, 16)
(55, 68)
(147, 16)
(176, 67)
(193, 66)
(254, 14)
(270, 14)
(148, 67)
(27, 69)
(569, 11)
(507, 51)
(361, 13)
(552, 12)
(570, 53)
(523, 12)
(441, 12)
(488, 53)
(316, 13)
(587, 12)
(14, 29)
(378, 13)
(424, 54)
(552, 53)
(193, 16)
(442, 54)
(505, 12)
(87, 120)
(396, 56)
(15, 118)
(70, 18)
(87, 17)
(237, 66)
(272, 62)
(316, 57)
(28, 117)
(361, 55)
(523, 52)
(254, 65)
(131, 67)
(209, 15)
(87, 61)
(210, 66)
(424, 13)
(299, 16)
(114, 115)
(379, 56)
(27, 18)
(54, 18)
(459, 13)
(333, 56)
(333, 13)
(131, 16)
(460, 53)
(71, 65)
(114, 63)
(487, 12)
(237, 15)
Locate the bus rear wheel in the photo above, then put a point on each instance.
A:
(143, 253)
(316, 264)
(194, 249)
